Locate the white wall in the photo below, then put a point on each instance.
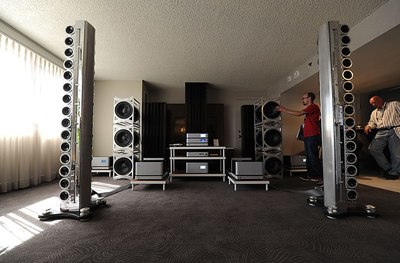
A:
(305, 76)
(381, 21)
(103, 108)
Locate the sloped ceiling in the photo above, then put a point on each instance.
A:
(232, 44)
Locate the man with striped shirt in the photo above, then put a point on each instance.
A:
(386, 120)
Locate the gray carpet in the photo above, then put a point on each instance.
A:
(204, 220)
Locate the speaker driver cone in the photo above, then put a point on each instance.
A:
(123, 166)
(65, 158)
(65, 135)
(65, 146)
(348, 86)
(270, 111)
(352, 195)
(351, 182)
(273, 137)
(351, 146)
(123, 138)
(350, 134)
(351, 170)
(64, 183)
(123, 109)
(64, 195)
(64, 171)
(273, 165)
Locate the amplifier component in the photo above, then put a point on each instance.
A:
(197, 139)
(195, 168)
(249, 168)
(196, 154)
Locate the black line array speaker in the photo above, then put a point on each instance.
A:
(154, 130)
(126, 137)
(77, 122)
(337, 119)
(247, 131)
(196, 107)
(268, 136)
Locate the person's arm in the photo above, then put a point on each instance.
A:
(291, 112)
(371, 124)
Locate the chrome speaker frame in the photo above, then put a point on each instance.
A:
(337, 122)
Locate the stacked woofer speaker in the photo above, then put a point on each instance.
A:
(268, 136)
(337, 110)
(126, 144)
(76, 135)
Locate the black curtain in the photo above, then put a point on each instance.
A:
(196, 107)
(247, 127)
(154, 130)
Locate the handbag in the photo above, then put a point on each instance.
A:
(300, 135)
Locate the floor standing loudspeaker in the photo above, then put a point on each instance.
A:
(268, 136)
(337, 123)
(247, 128)
(196, 107)
(126, 137)
(77, 124)
(154, 130)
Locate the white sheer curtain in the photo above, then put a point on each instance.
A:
(30, 117)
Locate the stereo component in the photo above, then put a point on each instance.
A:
(196, 154)
(249, 168)
(294, 161)
(238, 159)
(194, 168)
(101, 162)
(196, 139)
(148, 168)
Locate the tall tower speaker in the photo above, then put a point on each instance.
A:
(77, 124)
(268, 136)
(247, 128)
(337, 121)
(196, 107)
(126, 139)
(154, 130)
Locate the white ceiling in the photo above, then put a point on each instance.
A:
(235, 44)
